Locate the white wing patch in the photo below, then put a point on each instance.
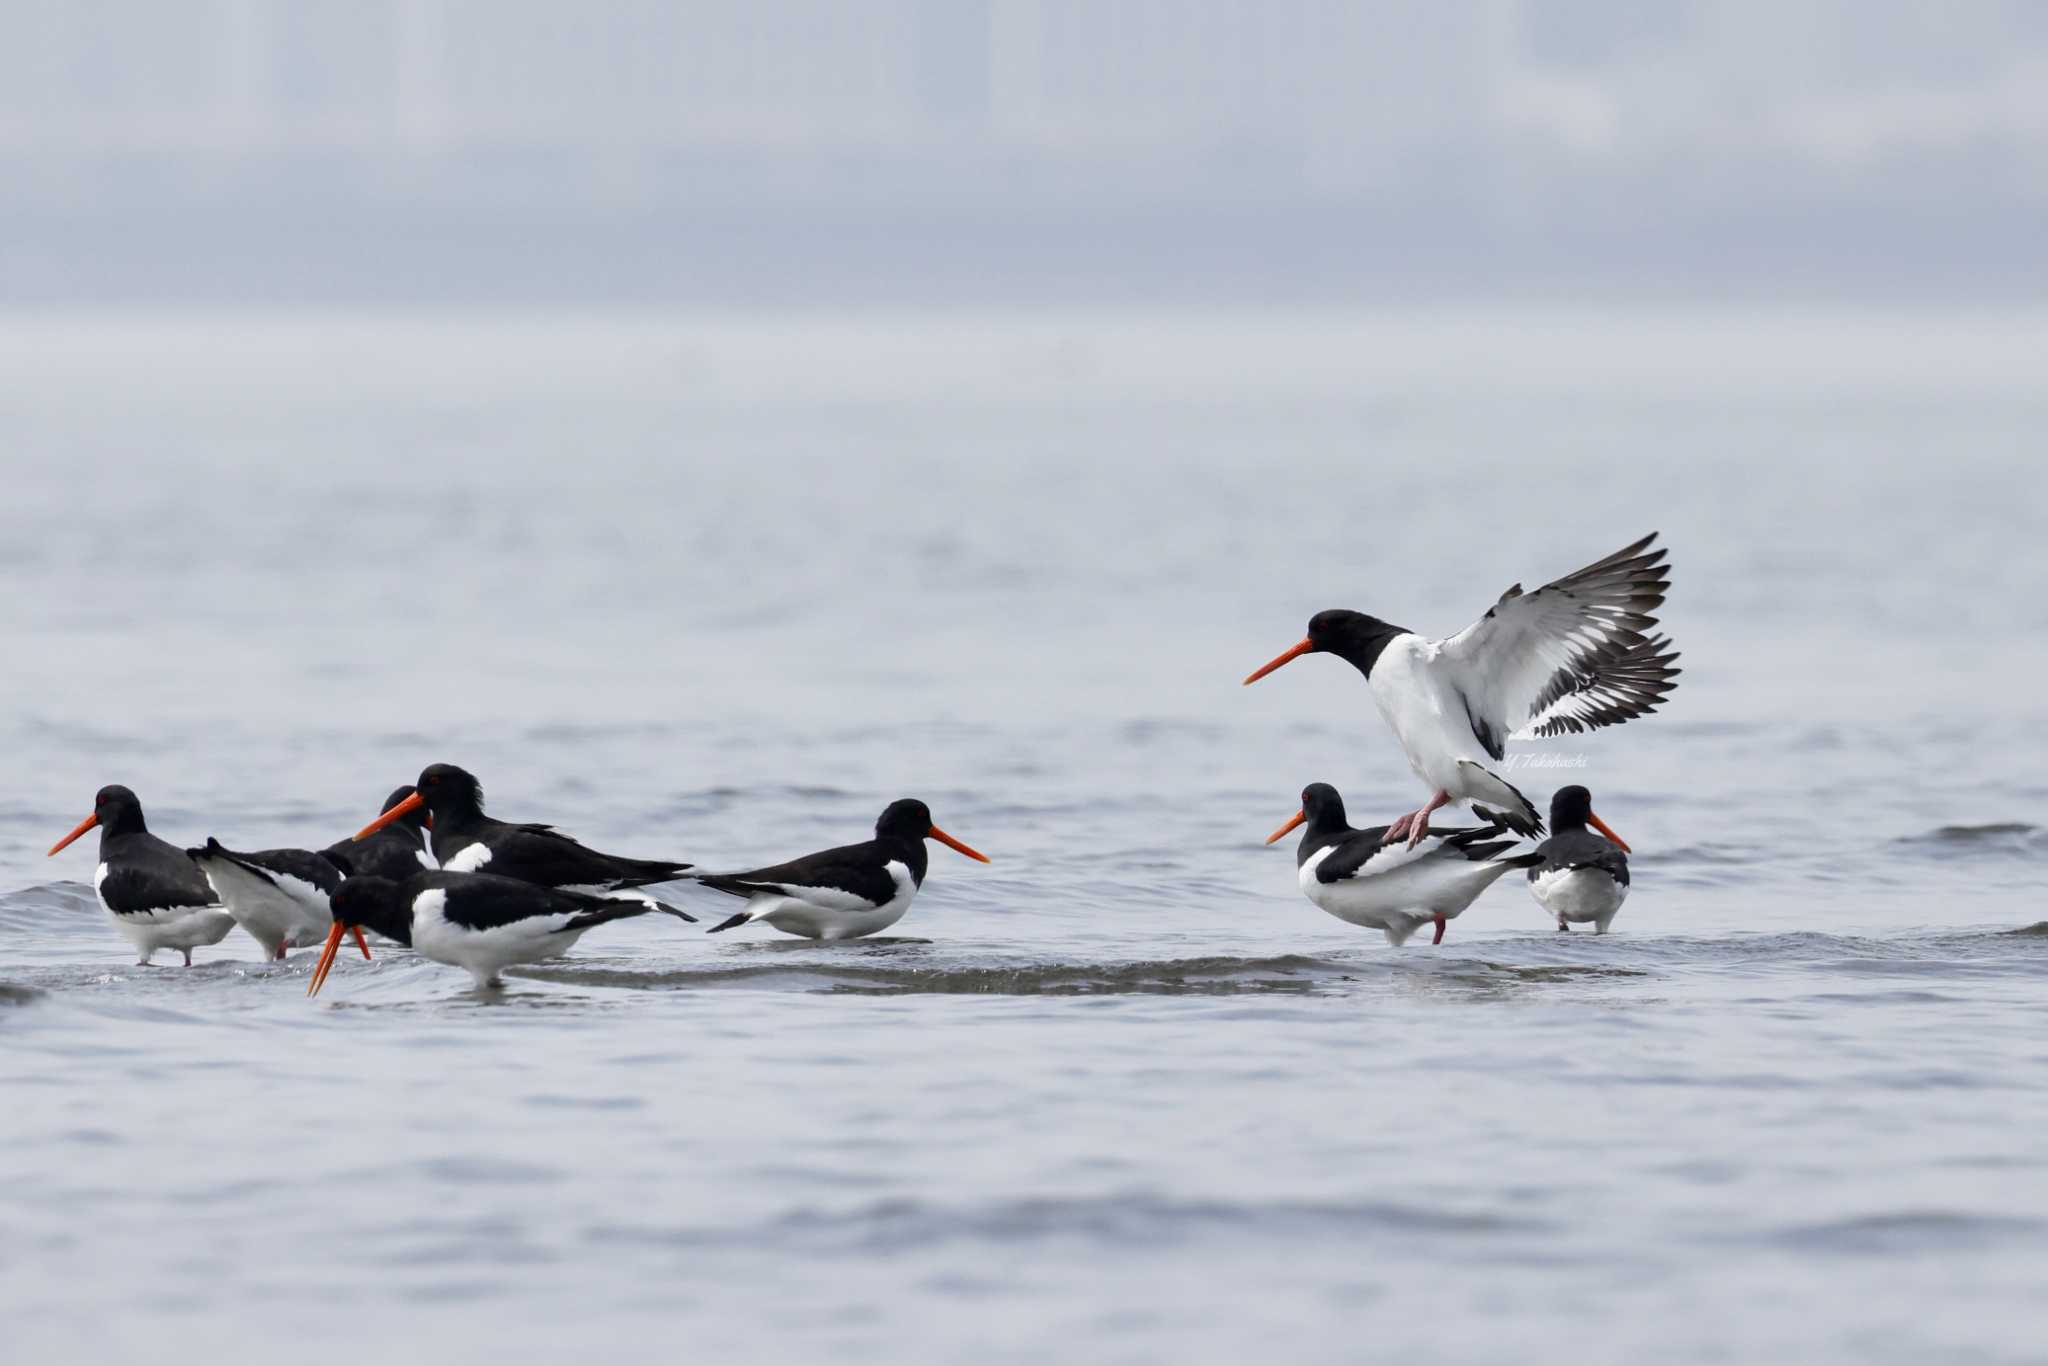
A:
(469, 859)
(427, 905)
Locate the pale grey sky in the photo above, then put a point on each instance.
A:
(933, 150)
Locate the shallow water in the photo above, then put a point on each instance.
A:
(720, 589)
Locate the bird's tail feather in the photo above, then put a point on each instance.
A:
(1515, 811)
(624, 906)
(645, 871)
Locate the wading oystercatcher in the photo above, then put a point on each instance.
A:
(467, 841)
(1357, 876)
(278, 895)
(397, 851)
(156, 895)
(1583, 876)
(843, 893)
(1570, 657)
(478, 922)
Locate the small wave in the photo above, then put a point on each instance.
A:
(1186, 976)
(1212, 976)
(2000, 836)
(2038, 929)
(1133, 1220)
(1906, 1231)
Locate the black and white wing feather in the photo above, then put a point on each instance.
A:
(1571, 656)
(1365, 853)
(1620, 684)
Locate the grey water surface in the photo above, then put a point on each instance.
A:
(718, 588)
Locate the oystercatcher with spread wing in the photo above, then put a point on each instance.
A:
(465, 840)
(843, 893)
(479, 922)
(156, 895)
(1357, 876)
(1570, 657)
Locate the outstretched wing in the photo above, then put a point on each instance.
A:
(1622, 683)
(1570, 656)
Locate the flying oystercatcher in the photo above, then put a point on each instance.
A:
(156, 895)
(479, 922)
(1570, 657)
(1583, 876)
(467, 841)
(1357, 876)
(843, 893)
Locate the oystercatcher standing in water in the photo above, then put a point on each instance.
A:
(156, 895)
(479, 922)
(465, 840)
(842, 893)
(1357, 876)
(397, 851)
(1583, 876)
(1570, 657)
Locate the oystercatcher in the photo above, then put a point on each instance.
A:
(1357, 876)
(156, 895)
(479, 922)
(842, 893)
(278, 895)
(1570, 657)
(465, 840)
(1583, 876)
(397, 851)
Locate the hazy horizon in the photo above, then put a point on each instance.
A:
(1002, 151)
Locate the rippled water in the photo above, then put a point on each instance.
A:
(719, 589)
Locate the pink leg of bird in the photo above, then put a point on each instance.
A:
(1420, 826)
(1396, 829)
(1440, 923)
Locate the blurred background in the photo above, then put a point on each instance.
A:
(938, 151)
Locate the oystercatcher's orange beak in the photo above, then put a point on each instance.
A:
(327, 952)
(1296, 819)
(1291, 653)
(1601, 826)
(403, 809)
(88, 823)
(943, 838)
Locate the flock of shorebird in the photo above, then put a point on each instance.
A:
(460, 887)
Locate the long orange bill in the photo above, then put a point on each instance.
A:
(326, 963)
(1601, 826)
(1292, 652)
(404, 808)
(1296, 819)
(88, 823)
(361, 942)
(943, 838)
